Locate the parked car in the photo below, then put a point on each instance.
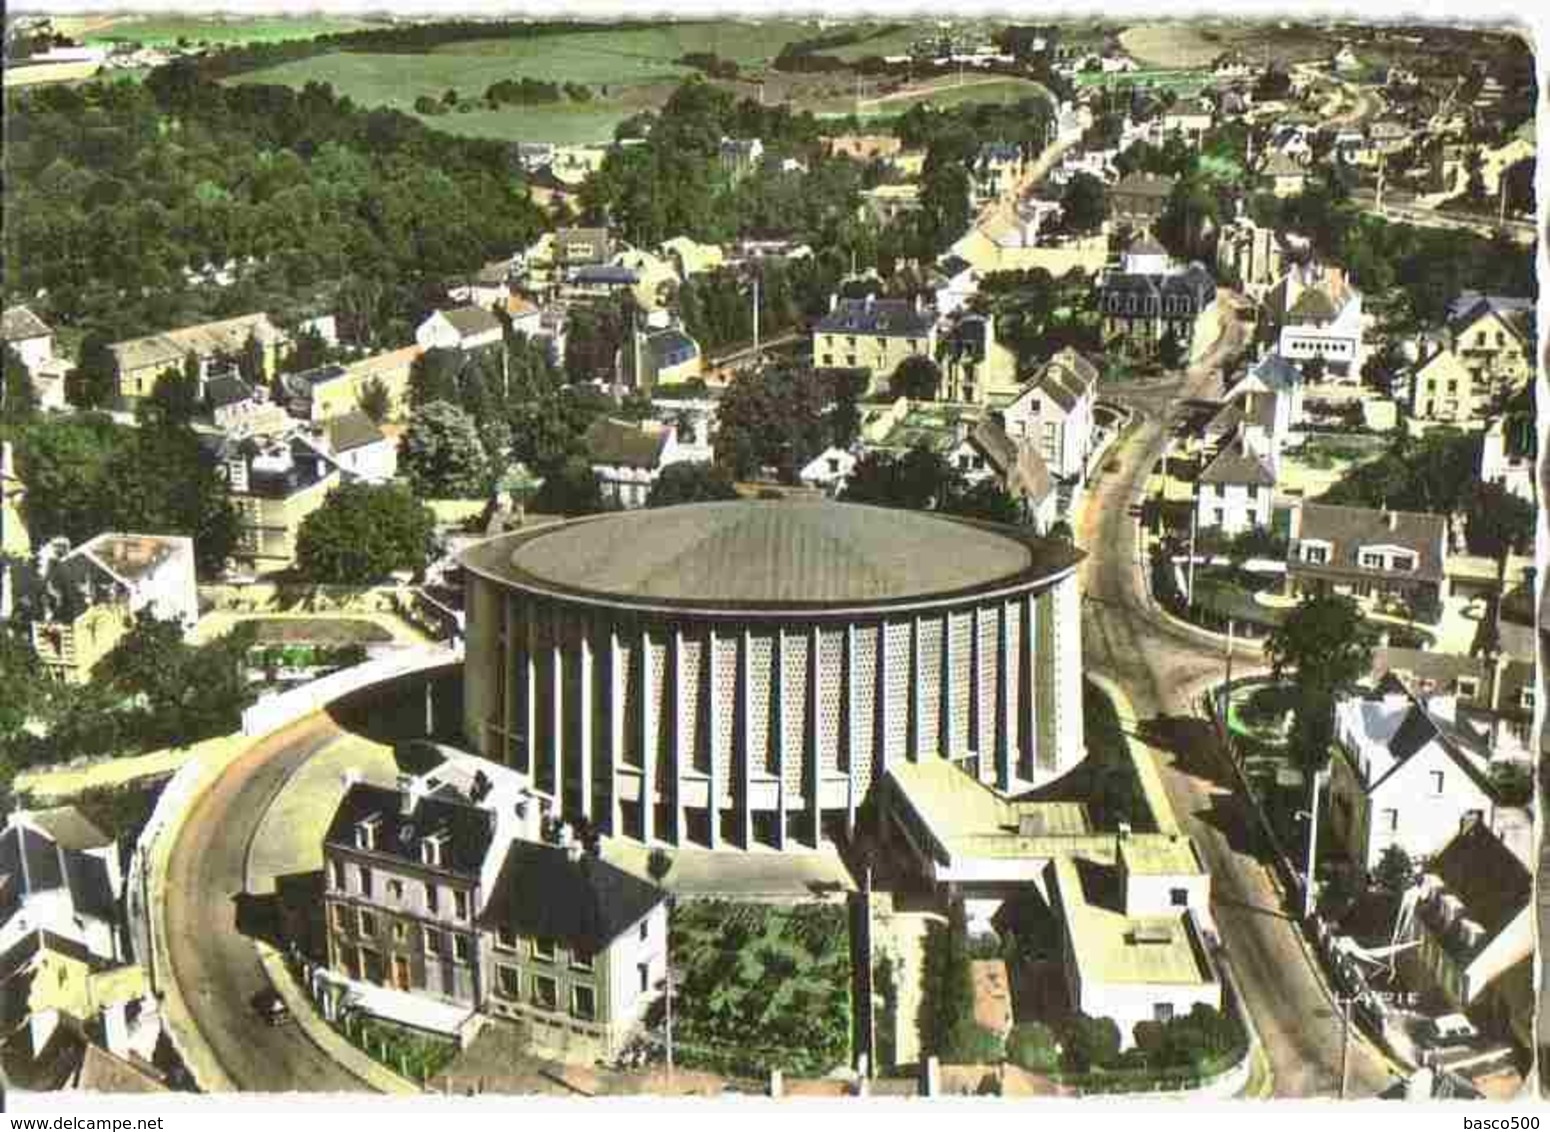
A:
(269, 1006)
(1447, 1031)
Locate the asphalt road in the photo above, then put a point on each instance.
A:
(1401, 210)
(1160, 666)
(216, 966)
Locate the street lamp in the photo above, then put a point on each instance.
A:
(1312, 816)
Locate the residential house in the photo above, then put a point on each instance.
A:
(976, 367)
(1370, 555)
(828, 471)
(874, 335)
(656, 279)
(690, 258)
(572, 946)
(1402, 775)
(90, 596)
(1295, 140)
(1315, 312)
(628, 456)
(1287, 178)
(956, 282)
(1257, 257)
(1236, 489)
(1141, 308)
(1190, 119)
(1054, 414)
(241, 409)
(361, 448)
(997, 171)
(33, 341)
(275, 483)
(215, 347)
(64, 957)
(1233, 65)
(1018, 236)
(461, 328)
(884, 204)
(987, 450)
(741, 156)
(662, 357)
(1490, 697)
(557, 253)
(1490, 334)
(1345, 60)
(1441, 387)
(865, 148)
(1274, 376)
(605, 281)
(525, 315)
(404, 884)
(1507, 455)
(1139, 199)
(1135, 947)
(1474, 919)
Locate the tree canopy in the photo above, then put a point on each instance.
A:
(690, 482)
(1325, 646)
(362, 533)
(443, 455)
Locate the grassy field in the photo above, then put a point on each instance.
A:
(746, 42)
(942, 94)
(158, 30)
(1196, 44)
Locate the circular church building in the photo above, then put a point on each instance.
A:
(737, 674)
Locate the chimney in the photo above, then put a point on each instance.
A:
(834, 301)
(1294, 526)
(1392, 520)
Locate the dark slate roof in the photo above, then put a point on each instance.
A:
(769, 554)
(227, 390)
(31, 863)
(91, 887)
(888, 318)
(1348, 529)
(1000, 151)
(1471, 306)
(352, 430)
(468, 827)
(1143, 184)
(585, 903)
(671, 347)
(469, 321)
(624, 444)
(1418, 730)
(19, 324)
(1234, 465)
(1276, 372)
(606, 275)
(321, 374)
(992, 442)
(1482, 872)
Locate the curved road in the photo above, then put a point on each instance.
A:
(1161, 667)
(215, 965)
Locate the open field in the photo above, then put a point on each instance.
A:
(1197, 43)
(158, 30)
(50, 73)
(1181, 81)
(597, 53)
(943, 93)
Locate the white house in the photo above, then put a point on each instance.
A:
(150, 572)
(1274, 376)
(461, 328)
(361, 448)
(1318, 314)
(1504, 461)
(1236, 490)
(33, 341)
(1054, 413)
(1403, 775)
(988, 451)
(829, 470)
(628, 456)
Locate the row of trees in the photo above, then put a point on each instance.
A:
(922, 480)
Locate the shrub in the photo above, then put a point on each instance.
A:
(969, 1043)
(1032, 1046)
(1091, 1043)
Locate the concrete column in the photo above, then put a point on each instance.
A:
(713, 711)
(813, 764)
(1029, 730)
(584, 722)
(510, 676)
(615, 730)
(648, 715)
(778, 726)
(681, 754)
(916, 692)
(948, 740)
(880, 704)
(848, 722)
(530, 687)
(556, 752)
(1005, 699)
(742, 753)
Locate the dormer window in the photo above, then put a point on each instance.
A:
(366, 832)
(1526, 699)
(432, 848)
(1315, 553)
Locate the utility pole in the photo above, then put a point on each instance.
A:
(1313, 846)
(756, 316)
(1345, 1042)
(1227, 688)
(1194, 526)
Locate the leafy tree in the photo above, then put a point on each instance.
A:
(173, 400)
(362, 533)
(1090, 1043)
(690, 482)
(375, 400)
(571, 489)
(918, 480)
(1083, 204)
(986, 500)
(1169, 351)
(93, 383)
(436, 376)
(1326, 645)
(309, 350)
(1395, 871)
(916, 377)
(1498, 524)
(185, 693)
(1032, 1046)
(18, 398)
(771, 418)
(159, 479)
(442, 454)
(947, 1004)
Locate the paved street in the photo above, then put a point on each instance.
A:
(1160, 666)
(216, 966)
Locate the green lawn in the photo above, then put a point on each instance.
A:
(601, 53)
(945, 94)
(159, 30)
